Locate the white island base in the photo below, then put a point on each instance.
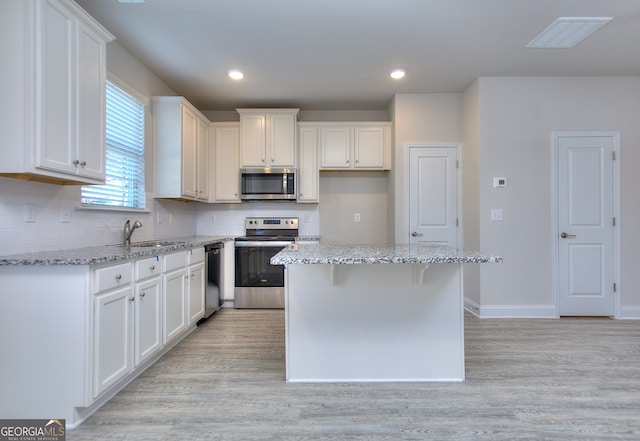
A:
(374, 322)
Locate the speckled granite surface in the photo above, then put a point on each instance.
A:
(108, 253)
(375, 254)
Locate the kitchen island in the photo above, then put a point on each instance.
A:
(375, 313)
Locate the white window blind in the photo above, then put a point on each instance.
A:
(124, 185)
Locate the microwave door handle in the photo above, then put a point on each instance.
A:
(284, 183)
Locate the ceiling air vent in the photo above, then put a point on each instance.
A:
(566, 32)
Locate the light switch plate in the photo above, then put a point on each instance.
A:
(499, 182)
(496, 216)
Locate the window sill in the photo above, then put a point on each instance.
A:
(116, 209)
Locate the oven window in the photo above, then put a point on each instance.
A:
(254, 270)
(262, 183)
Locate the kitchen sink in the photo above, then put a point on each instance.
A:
(157, 243)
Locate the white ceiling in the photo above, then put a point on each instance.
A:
(336, 54)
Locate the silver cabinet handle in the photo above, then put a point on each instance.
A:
(142, 294)
(118, 277)
(131, 299)
(152, 268)
(566, 236)
(416, 234)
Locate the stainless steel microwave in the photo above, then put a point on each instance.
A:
(268, 184)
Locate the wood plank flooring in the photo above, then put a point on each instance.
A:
(527, 379)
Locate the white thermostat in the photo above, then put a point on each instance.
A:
(499, 182)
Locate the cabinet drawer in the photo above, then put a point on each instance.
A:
(196, 255)
(174, 261)
(147, 267)
(112, 276)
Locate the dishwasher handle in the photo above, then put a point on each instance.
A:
(213, 247)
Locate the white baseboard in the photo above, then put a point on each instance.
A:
(533, 311)
(510, 311)
(629, 312)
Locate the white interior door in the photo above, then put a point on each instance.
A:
(433, 195)
(585, 186)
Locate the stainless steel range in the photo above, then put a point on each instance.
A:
(258, 283)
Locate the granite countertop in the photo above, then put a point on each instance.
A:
(108, 253)
(376, 254)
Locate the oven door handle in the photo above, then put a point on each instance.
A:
(263, 243)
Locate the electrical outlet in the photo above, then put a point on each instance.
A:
(212, 219)
(307, 218)
(496, 216)
(29, 213)
(159, 218)
(356, 218)
(65, 215)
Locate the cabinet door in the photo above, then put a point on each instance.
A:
(91, 107)
(227, 166)
(113, 350)
(282, 140)
(369, 147)
(174, 302)
(253, 140)
(196, 292)
(56, 139)
(335, 147)
(189, 153)
(308, 174)
(203, 166)
(148, 319)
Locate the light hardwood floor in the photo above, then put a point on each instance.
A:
(526, 379)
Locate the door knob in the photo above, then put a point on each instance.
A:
(416, 234)
(565, 235)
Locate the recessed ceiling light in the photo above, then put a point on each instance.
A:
(235, 74)
(396, 74)
(130, 1)
(566, 32)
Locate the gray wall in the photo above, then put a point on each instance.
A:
(342, 194)
(505, 126)
(517, 117)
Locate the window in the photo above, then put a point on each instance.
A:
(124, 185)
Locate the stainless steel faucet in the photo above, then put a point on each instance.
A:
(128, 230)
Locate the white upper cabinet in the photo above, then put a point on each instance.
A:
(308, 175)
(369, 147)
(225, 138)
(355, 146)
(335, 147)
(182, 159)
(268, 137)
(54, 76)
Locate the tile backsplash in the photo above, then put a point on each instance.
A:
(56, 221)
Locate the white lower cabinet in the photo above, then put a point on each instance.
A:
(98, 327)
(197, 275)
(113, 326)
(113, 350)
(148, 323)
(174, 294)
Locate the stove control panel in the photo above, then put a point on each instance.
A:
(267, 223)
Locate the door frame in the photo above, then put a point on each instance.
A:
(554, 214)
(407, 183)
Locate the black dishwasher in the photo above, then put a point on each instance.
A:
(213, 297)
